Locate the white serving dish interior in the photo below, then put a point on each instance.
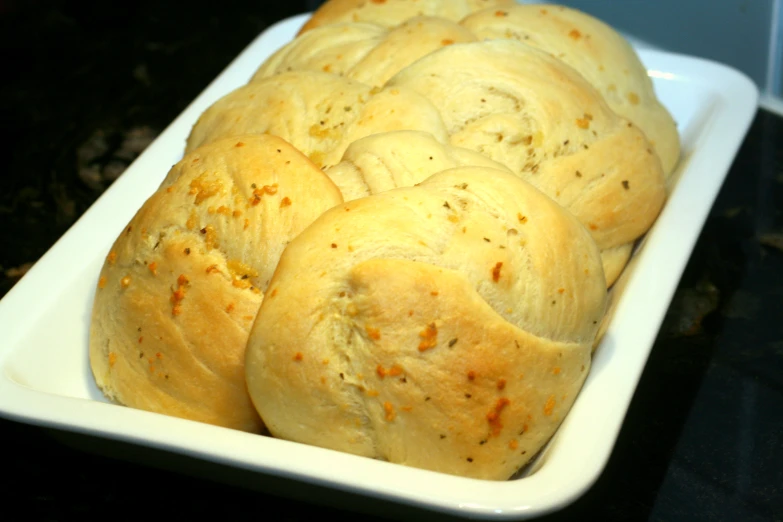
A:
(44, 320)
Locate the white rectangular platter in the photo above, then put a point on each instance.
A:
(45, 377)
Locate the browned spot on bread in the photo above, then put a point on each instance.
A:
(493, 417)
(373, 333)
(496, 271)
(429, 337)
(389, 409)
(549, 406)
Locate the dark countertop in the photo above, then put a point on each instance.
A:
(88, 85)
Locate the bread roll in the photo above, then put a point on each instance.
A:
(182, 284)
(523, 108)
(446, 326)
(389, 160)
(389, 13)
(372, 59)
(597, 52)
(318, 113)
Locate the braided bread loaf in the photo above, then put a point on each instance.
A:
(434, 304)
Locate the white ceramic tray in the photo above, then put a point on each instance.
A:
(44, 320)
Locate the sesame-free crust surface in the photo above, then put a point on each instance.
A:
(446, 326)
(183, 282)
(531, 112)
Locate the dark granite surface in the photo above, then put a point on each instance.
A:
(88, 85)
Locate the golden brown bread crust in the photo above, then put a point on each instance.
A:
(398, 159)
(525, 109)
(597, 52)
(446, 326)
(183, 282)
(318, 113)
(389, 13)
(333, 49)
(405, 158)
(364, 52)
(406, 43)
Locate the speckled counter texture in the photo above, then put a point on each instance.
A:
(87, 85)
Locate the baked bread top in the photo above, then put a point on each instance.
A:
(399, 159)
(389, 13)
(364, 52)
(406, 43)
(597, 52)
(333, 48)
(528, 110)
(183, 282)
(405, 158)
(318, 113)
(446, 326)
